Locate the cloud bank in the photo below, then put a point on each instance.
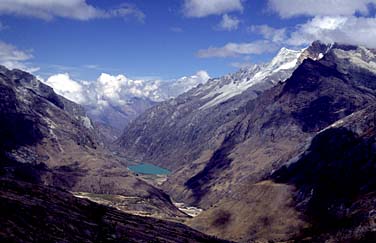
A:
(292, 8)
(72, 9)
(236, 49)
(117, 90)
(344, 21)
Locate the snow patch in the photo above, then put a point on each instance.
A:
(86, 122)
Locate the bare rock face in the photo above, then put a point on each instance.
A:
(54, 135)
(220, 153)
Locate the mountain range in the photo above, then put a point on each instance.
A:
(278, 152)
(225, 139)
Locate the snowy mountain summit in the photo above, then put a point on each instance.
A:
(279, 69)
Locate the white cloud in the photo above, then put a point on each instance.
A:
(200, 8)
(332, 21)
(291, 8)
(269, 33)
(65, 86)
(347, 30)
(171, 89)
(73, 9)
(236, 49)
(125, 10)
(116, 90)
(11, 57)
(229, 23)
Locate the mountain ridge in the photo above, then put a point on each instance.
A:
(218, 155)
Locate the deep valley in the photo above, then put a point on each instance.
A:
(279, 151)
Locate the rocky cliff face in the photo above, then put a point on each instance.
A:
(223, 155)
(42, 129)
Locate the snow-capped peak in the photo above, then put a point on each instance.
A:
(285, 59)
(279, 69)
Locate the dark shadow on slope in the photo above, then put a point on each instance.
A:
(337, 170)
(16, 129)
(218, 162)
(319, 109)
(307, 77)
(200, 183)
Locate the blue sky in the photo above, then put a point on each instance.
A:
(167, 39)
(163, 45)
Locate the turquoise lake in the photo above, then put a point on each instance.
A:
(149, 169)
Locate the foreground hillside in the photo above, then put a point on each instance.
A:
(36, 213)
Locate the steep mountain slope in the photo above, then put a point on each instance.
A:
(36, 213)
(184, 133)
(195, 122)
(327, 195)
(278, 124)
(39, 127)
(222, 155)
(176, 138)
(335, 179)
